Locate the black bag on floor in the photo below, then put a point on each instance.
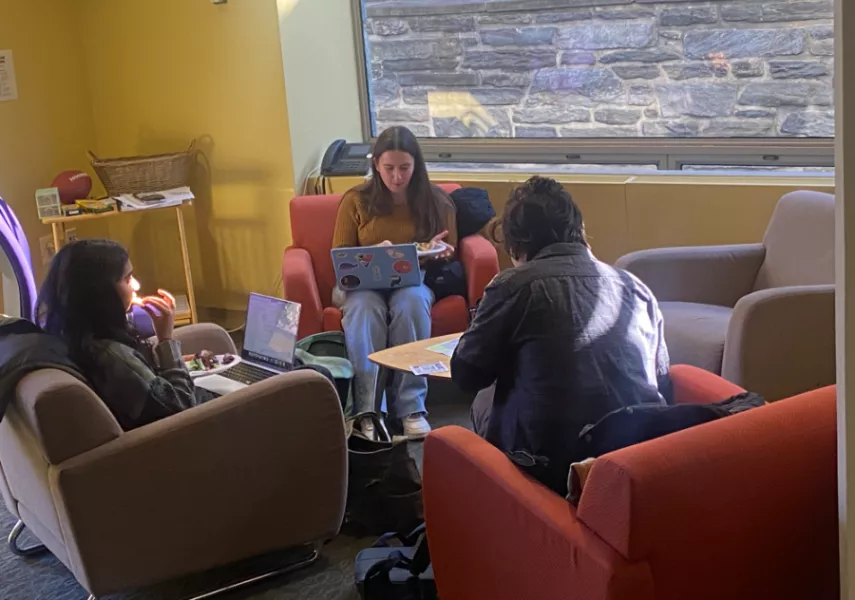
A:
(402, 571)
(384, 491)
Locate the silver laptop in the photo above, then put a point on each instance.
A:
(376, 267)
(268, 346)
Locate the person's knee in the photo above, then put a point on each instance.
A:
(411, 302)
(366, 304)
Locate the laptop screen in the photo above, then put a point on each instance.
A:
(271, 331)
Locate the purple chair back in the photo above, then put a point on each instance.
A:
(21, 268)
(12, 221)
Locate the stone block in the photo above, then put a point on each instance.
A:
(599, 132)
(743, 43)
(637, 71)
(640, 95)
(594, 83)
(469, 78)
(384, 92)
(617, 116)
(798, 69)
(822, 47)
(755, 113)
(643, 56)
(578, 58)
(518, 36)
(748, 68)
(618, 14)
(736, 128)
(523, 131)
(605, 36)
(776, 12)
(552, 114)
(403, 115)
(809, 124)
(443, 24)
(682, 16)
(684, 71)
(776, 94)
(685, 129)
(387, 27)
(512, 60)
(501, 79)
(697, 99)
(565, 16)
(420, 64)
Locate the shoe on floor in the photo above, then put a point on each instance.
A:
(416, 426)
(366, 426)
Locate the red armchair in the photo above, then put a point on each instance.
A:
(308, 276)
(741, 508)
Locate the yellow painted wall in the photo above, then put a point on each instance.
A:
(49, 127)
(163, 72)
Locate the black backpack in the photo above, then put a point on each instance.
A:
(474, 210)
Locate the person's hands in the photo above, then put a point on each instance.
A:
(385, 243)
(161, 309)
(448, 252)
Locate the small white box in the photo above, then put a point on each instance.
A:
(48, 203)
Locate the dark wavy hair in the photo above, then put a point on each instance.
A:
(427, 204)
(78, 299)
(539, 213)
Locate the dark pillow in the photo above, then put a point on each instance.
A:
(474, 210)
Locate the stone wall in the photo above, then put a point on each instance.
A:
(602, 68)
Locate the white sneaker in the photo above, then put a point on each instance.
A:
(366, 426)
(416, 426)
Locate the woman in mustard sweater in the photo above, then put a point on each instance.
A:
(398, 205)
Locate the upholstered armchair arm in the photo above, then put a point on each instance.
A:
(718, 275)
(300, 285)
(204, 336)
(780, 341)
(693, 385)
(470, 487)
(224, 481)
(481, 264)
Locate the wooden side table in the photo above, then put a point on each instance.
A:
(186, 316)
(401, 358)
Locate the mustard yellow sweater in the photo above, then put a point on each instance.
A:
(354, 228)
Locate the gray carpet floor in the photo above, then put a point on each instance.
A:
(331, 578)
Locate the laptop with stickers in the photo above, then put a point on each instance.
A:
(376, 267)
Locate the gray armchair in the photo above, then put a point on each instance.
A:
(215, 484)
(761, 315)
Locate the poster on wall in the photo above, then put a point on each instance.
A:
(8, 84)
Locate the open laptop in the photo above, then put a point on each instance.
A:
(376, 267)
(268, 347)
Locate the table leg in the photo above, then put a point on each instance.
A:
(185, 259)
(58, 230)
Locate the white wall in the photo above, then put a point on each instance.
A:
(321, 78)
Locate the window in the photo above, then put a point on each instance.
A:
(602, 70)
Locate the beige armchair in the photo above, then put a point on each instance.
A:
(228, 480)
(761, 315)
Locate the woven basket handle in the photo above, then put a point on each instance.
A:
(92, 157)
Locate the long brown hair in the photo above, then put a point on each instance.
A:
(428, 205)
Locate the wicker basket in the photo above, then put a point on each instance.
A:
(140, 174)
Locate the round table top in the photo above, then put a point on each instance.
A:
(403, 358)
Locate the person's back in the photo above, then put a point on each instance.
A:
(564, 337)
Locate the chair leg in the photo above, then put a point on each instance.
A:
(313, 554)
(17, 550)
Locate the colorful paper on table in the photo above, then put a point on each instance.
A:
(445, 348)
(429, 369)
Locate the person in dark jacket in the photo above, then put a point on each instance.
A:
(558, 341)
(85, 301)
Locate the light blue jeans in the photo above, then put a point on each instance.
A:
(374, 321)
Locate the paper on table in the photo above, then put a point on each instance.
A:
(8, 82)
(429, 369)
(173, 197)
(445, 348)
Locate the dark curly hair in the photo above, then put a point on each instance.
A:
(539, 213)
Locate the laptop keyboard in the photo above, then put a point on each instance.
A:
(247, 373)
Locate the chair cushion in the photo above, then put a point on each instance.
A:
(695, 333)
(449, 315)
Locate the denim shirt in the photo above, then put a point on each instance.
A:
(566, 339)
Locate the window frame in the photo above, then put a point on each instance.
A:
(669, 154)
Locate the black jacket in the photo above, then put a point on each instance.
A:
(25, 348)
(566, 339)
